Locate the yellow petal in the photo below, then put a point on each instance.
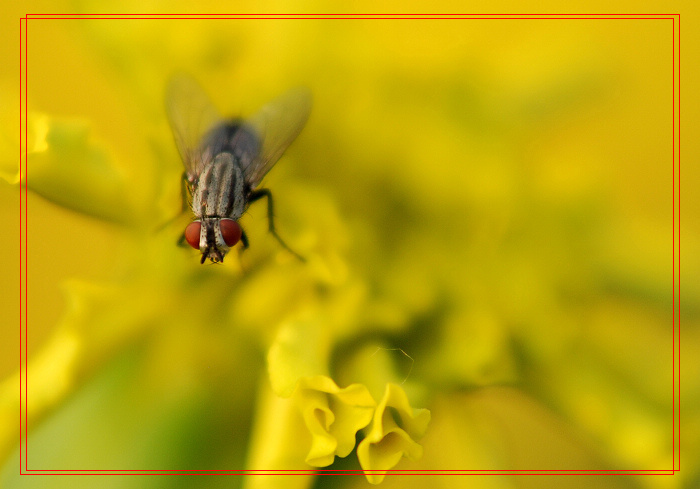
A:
(333, 416)
(68, 168)
(394, 432)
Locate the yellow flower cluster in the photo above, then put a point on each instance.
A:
(333, 416)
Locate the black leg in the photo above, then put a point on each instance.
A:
(245, 243)
(259, 194)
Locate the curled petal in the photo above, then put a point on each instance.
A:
(333, 416)
(394, 432)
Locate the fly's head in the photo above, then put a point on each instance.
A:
(213, 236)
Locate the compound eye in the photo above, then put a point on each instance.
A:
(231, 231)
(192, 232)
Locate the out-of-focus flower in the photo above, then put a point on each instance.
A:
(67, 167)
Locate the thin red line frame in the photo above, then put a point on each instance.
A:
(675, 238)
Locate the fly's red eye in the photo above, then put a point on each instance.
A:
(231, 231)
(192, 234)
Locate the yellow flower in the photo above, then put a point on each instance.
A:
(333, 416)
(394, 432)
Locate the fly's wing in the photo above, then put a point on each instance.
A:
(277, 124)
(191, 116)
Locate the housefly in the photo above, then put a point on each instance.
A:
(225, 161)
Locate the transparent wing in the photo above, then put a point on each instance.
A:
(277, 124)
(191, 116)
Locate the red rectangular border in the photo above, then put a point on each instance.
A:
(675, 238)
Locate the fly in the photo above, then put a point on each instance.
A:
(225, 161)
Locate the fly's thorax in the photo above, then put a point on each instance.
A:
(219, 190)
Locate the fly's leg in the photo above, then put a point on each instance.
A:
(259, 194)
(245, 243)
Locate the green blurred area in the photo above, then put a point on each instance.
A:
(493, 197)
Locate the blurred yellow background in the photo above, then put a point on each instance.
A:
(494, 197)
